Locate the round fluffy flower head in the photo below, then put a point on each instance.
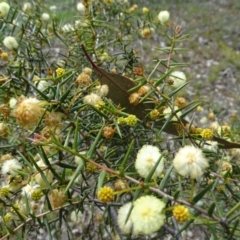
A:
(134, 98)
(102, 90)
(57, 198)
(207, 134)
(163, 16)
(189, 161)
(11, 166)
(45, 17)
(145, 10)
(108, 132)
(29, 189)
(26, 6)
(4, 56)
(83, 79)
(92, 99)
(154, 114)
(105, 194)
(147, 157)
(178, 78)
(81, 8)
(10, 43)
(131, 120)
(147, 215)
(4, 9)
(147, 32)
(125, 226)
(28, 111)
(181, 213)
(60, 71)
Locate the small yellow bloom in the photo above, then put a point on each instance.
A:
(90, 168)
(7, 217)
(4, 56)
(105, 194)
(121, 120)
(131, 120)
(181, 213)
(4, 191)
(60, 71)
(199, 131)
(36, 195)
(154, 114)
(145, 10)
(220, 188)
(207, 134)
(17, 207)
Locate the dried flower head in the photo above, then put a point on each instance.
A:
(53, 119)
(105, 194)
(143, 90)
(225, 166)
(108, 132)
(181, 213)
(163, 17)
(189, 161)
(57, 198)
(4, 131)
(134, 98)
(211, 116)
(120, 185)
(125, 223)
(92, 99)
(83, 79)
(87, 71)
(146, 159)
(147, 32)
(180, 102)
(10, 43)
(28, 111)
(147, 215)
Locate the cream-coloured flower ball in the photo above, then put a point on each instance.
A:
(163, 16)
(190, 161)
(178, 78)
(4, 9)
(147, 215)
(10, 43)
(146, 159)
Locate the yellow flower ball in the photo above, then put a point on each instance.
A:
(105, 194)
